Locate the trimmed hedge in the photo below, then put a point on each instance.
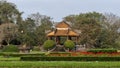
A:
(70, 58)
(19, 55)
(102, 50)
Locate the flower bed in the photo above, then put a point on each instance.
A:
(92, 54)
(95, 54)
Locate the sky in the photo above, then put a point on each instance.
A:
(57, 9)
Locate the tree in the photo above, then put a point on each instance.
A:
(109, 34)
(42, 23)
(89, 24)
(26, 32)
(1, 34)
(8, 12)
(31, 33)
(8, 32)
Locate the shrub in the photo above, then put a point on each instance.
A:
(20, 55)
(86, 58)
(36, 48)
(69, 44)
(49, 44)
(102, 50)
(10, 48)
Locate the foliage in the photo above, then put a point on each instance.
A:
(101, 31)
(117, 43)
(48, 44)
(45, 23)
(36, 48)
(32, 30)
(26, 33)
(69, 44)
(10, 48)
(8, 12)
(102, 50)
(109, 33)
(8, 32)
(29, 58)
(22, 54)
(90, 20)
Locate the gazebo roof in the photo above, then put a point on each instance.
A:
(63, 33)
(62, 29)
(62, 24)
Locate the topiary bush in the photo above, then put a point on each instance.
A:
(10, 48)
(69, 44)
(49, 44)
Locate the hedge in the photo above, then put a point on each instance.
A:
(19, 55)
(59, 54)
(102, 50)
(29, 58)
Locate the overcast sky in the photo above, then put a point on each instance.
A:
(57, 9)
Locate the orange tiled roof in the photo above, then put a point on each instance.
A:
(51, 33)
(63, 33)
(62, 25)
(63, 29)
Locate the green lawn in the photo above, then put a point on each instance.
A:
(9, 59)
(60, 64)
(14, 62)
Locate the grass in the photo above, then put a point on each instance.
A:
(9, 59)
(14, 62)
(60, 64)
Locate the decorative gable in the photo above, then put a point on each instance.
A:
(62, 25)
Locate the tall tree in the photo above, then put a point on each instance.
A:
(8, 12)
(110, 31)
(89, 24)
(8, 32)
(26, 32)
(42, 23)
(39, 19)
(46, 24)
(9, 16)
(32, 30)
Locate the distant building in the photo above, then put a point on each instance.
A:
(63, 29)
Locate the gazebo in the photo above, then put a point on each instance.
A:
(63, 29)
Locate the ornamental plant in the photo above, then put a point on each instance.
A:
(49, 44)
(69, 44)
(10, 48)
